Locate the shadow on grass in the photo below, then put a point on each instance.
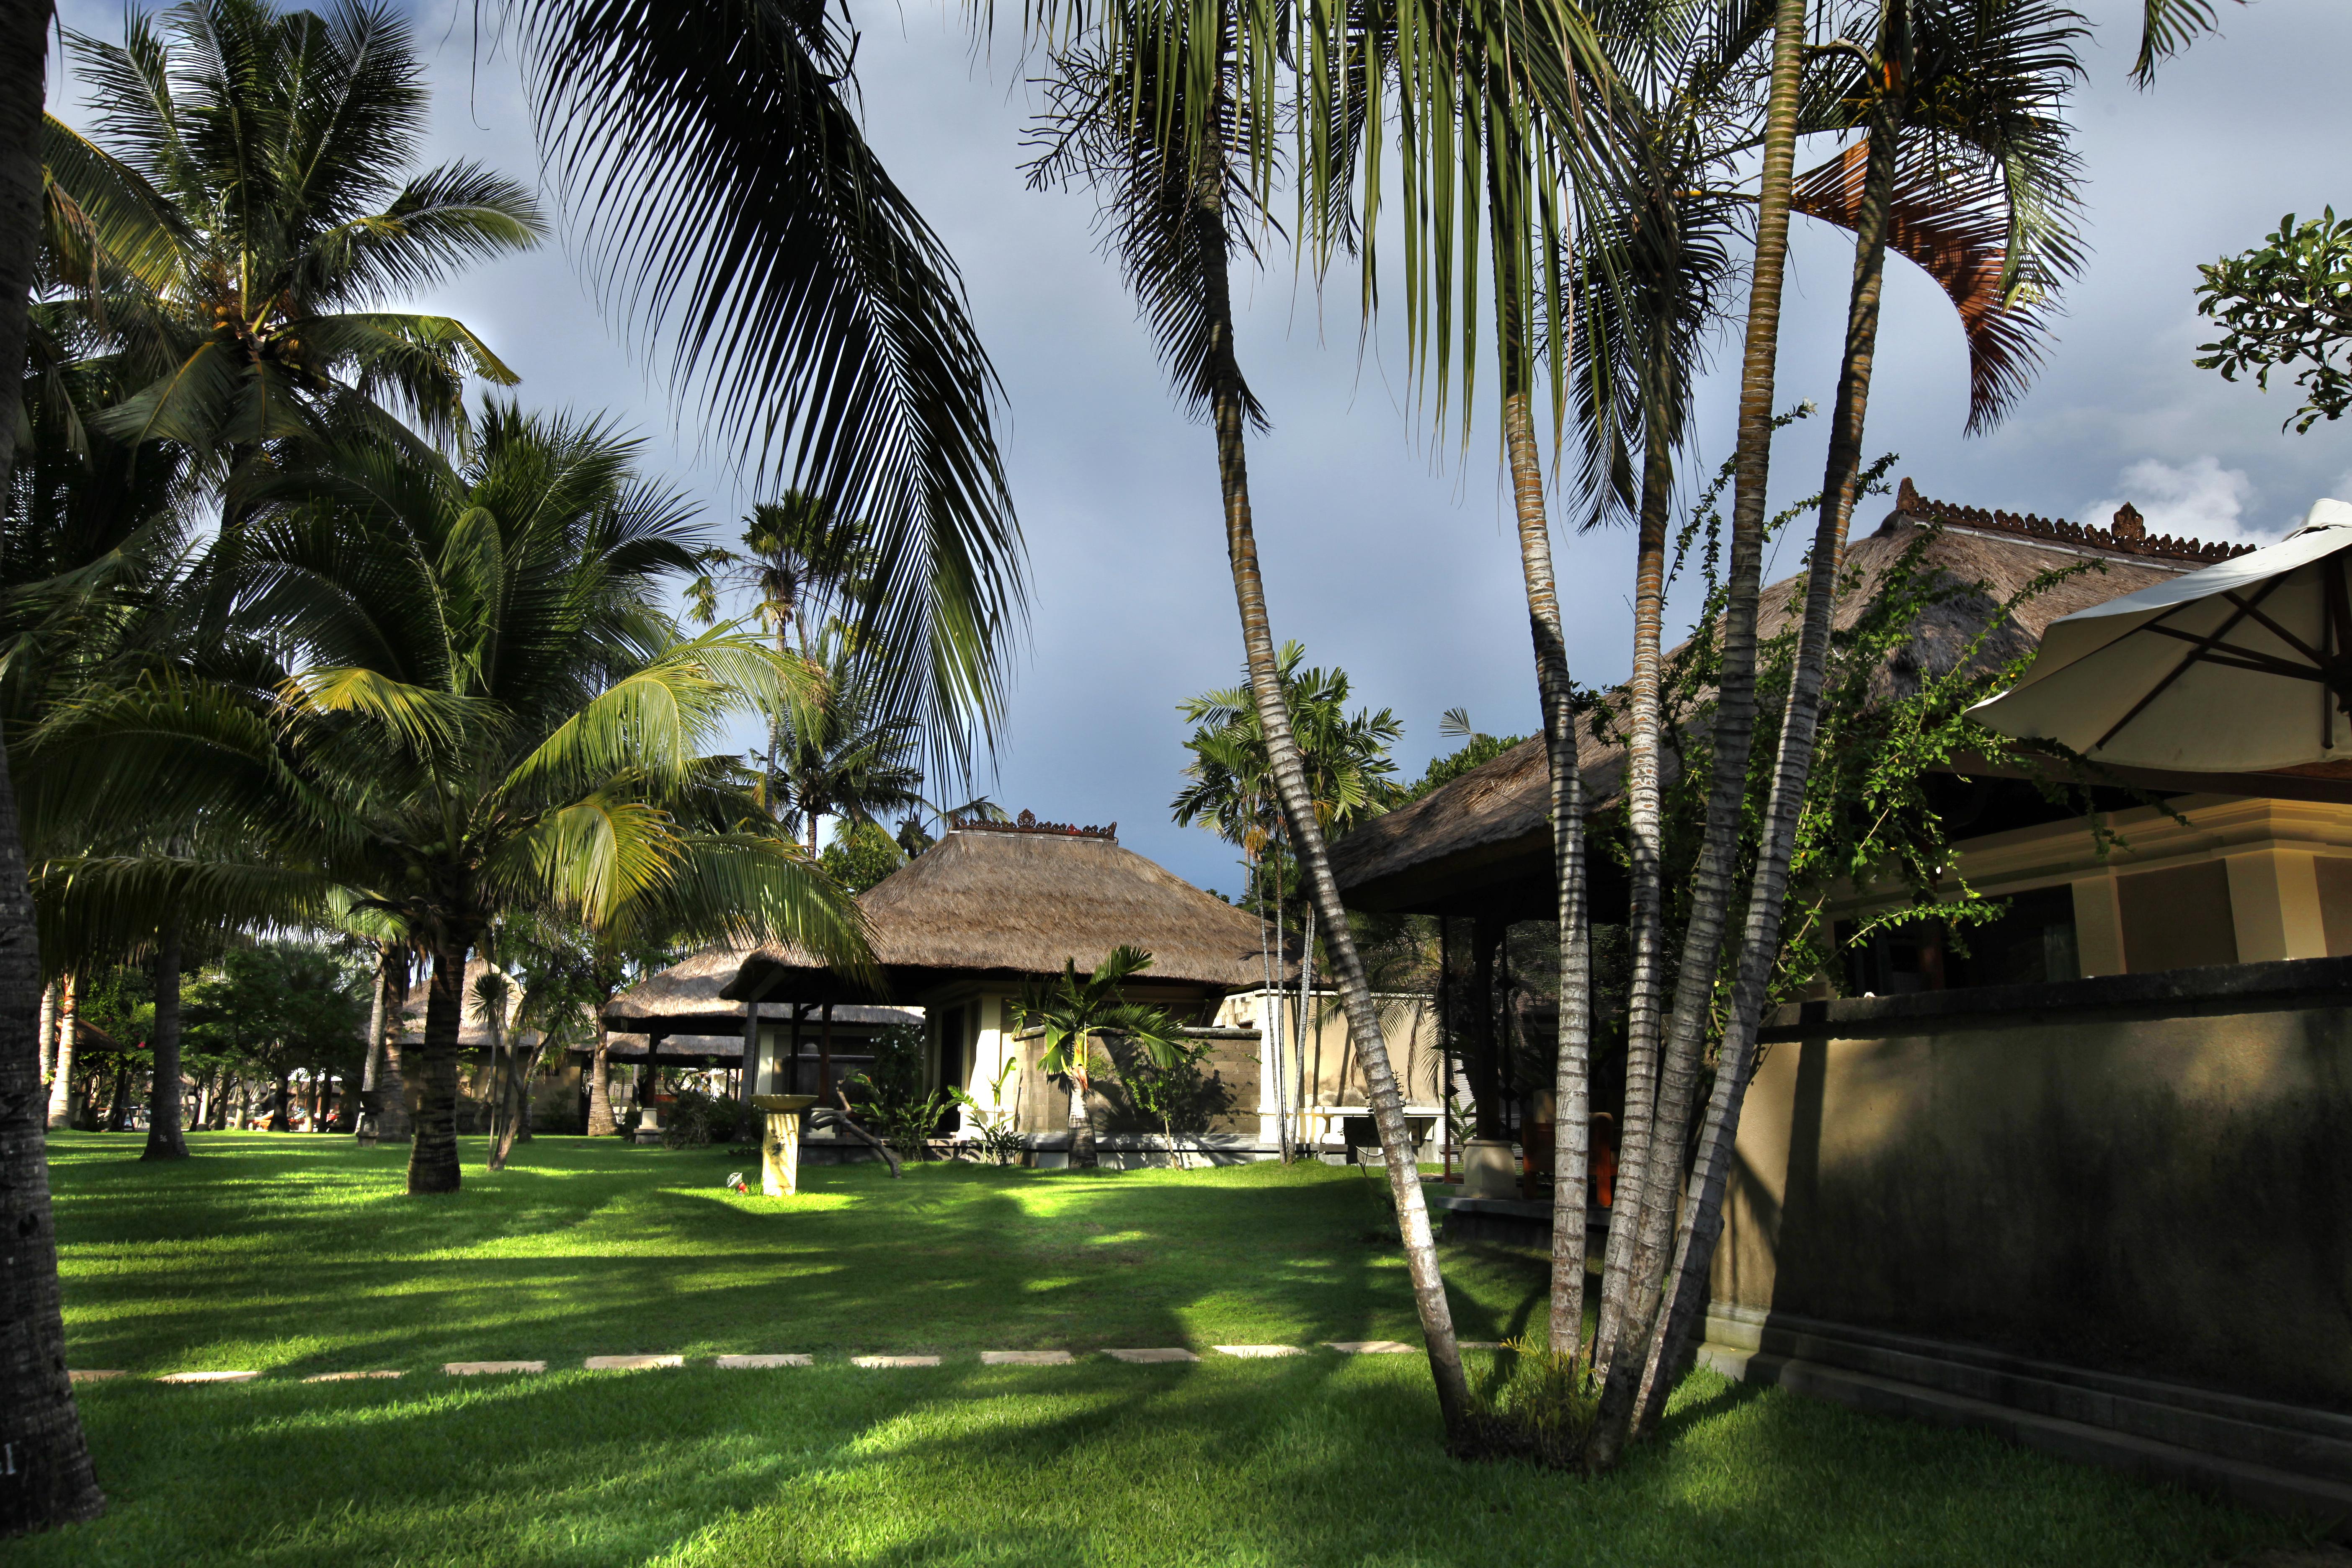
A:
(1284, 1462)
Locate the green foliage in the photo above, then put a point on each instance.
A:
(693, 1119)
(1175, 1091)
(2287, 301)
(279, 1007)
(861, 854)
(1478, 749)
(1000, 1137)
(1070, 1012)
(1545, 1408)
(890, 1097)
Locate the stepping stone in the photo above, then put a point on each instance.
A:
(478, 1368)
(92, 1376)
(632, 1363)
(740, 1362)
(348, 1377)
(1372, 1347)
(1259, 1352)
(208, 1377)
(1152, 1357)
(1025, 1358)
(895, 1360)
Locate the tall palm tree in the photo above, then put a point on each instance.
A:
(1966, 157)
(491, 714)
(1069, 1013)
(839, 751)
(712, 158)
(243, 209)
(1155, 114)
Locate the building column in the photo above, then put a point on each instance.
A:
(2098, 926)
(2275, 905)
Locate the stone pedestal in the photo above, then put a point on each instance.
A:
(779, 1144)
(1488, 1169)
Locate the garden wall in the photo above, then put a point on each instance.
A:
(2143, 1173)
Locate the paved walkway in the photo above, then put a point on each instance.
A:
(1156, 1355)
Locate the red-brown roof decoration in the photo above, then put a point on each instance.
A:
(1027, 823)
(2127, 537)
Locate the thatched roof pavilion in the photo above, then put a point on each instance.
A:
(685, 999)
(994, 907)
(1481, 845)
(1016, 900)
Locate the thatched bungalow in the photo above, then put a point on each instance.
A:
(2082, 1184)
(961, 930)
(680, 1015)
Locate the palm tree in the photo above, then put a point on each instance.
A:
(801, 563)
(242, 209)
(1965, 153)
(491, 716)
(838, 752)
(1345, 758)
(717, 172)
(1070, 1012)
(1157, 116)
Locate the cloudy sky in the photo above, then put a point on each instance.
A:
(1386, 548)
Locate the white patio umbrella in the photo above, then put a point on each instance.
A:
(2242, 667)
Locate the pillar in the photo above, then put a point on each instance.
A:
(2275, 905)
(2098, 926)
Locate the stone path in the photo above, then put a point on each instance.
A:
(1146, 1356)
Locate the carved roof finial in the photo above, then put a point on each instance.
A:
(1906, 499)
(2129, 524)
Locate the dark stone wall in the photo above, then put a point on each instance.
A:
(2149, 1174)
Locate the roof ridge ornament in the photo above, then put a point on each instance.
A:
(2129, 536)
(1027, 822)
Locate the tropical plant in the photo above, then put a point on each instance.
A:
(1964, 148)
(492, 717)
(279, 1009)
(1171, 1090)
(861, 854)
(727, 199)
(998, 1121)
(1166, 115)
(244, 206)
(1068, 1012)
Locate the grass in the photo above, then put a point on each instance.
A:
(296, 1255)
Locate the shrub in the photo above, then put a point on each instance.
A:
(695, 1119)
(1544, 1410)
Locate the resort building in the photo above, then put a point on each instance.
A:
(2081, 1182)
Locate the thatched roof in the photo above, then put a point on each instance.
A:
(686, 999)
(1020, 899)
(473, 1032)
(1485, 839)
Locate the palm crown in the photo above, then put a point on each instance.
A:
(243, 207)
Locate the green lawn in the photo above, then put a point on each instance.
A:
(298, 1256)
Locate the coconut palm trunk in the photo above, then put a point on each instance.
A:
(49, 1032)
(1702, 1219)
(61, 1083)
(506, 1116)
(372, 1068)
(1637, 1295)
(165, 1139)
(392, 1119)
(1228, 413)
(433, 1156)
(600, 1083)
(1572, 1090)
(1645, 836)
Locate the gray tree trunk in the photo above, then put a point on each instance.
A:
(1228, 404)
(61, 1086)
(1702, 1221)
(372, 1069)
(165, 1139)
(600, 1083)
(49, 1032)
(1735, 734)
(46, 1477)
(433, 1157)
